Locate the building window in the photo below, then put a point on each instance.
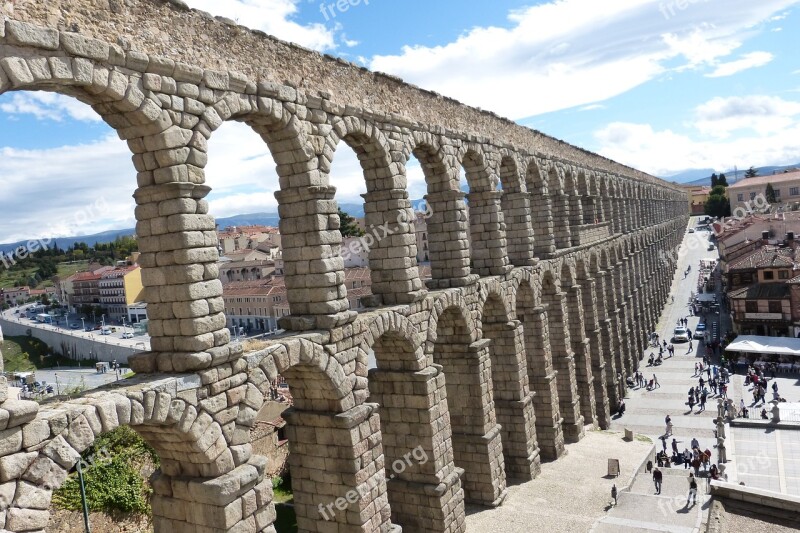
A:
(775, 307)
(751, 307)
(768, 274)
(740, 197)
(777, 193)
(794, 191)
(783, 274)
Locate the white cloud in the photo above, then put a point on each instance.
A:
(766, 129)
(765, 115)
(664, 153)
(66, 191)
(48, 106)
(273, 17)
(592, 107)
(748, 61)
(569, 53)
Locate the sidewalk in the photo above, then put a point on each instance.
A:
(641, 509)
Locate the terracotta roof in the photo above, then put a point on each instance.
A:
(765, 257)
(85, 276)
(761, 291)
(759, 181)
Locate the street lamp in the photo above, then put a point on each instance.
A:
(83, 324)
(103, 320)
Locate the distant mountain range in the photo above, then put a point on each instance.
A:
(253, 219)
(702, 176)
(687, 177)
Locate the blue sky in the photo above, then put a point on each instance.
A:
(661, 85)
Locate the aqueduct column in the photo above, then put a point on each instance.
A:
(513, 399)
(542, 378)
(448, 240)
(177, 241)
(489, 252)
(519, 217)
(389, 219)
(564, 362)
(582, 350)
(595, 350)
(543, 223)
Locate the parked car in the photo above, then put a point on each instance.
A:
(127, 335)
(105, 331)
(710, 247)
(74, 326)
(700, 331)
(680, 334)
(691, 230)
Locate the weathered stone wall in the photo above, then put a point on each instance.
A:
(537, 310)
(168, 29)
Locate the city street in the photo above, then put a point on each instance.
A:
(646, 410)
(141, 342)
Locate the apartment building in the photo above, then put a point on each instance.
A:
(745, 192)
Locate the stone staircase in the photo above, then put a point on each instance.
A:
(639, 509)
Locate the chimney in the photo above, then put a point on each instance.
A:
(765, 235)
(789, 235)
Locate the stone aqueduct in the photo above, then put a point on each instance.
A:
(538, 305)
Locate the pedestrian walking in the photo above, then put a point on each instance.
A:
(691, 402)
(655, 382)
(674, 446)
(692, 490)
(668, 424)
(657, 477)
(614, 493)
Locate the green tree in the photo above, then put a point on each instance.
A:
(722, 180)
(751, 173)
(770, 194)
(348, 225)
(714, 180)
(718, 204)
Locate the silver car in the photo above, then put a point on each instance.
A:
(681, 334)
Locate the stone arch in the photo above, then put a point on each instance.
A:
(515, 205)
(450, 300)
(541, 208)
(390, 240)
(574, 205)
(541, 374)
(476, 168)
(448, 224)
(408, 389)
(193, 442)
(330, 431)
(487, 224)
(560, 200)
(477, 446)
(510, 385)
(554, 299)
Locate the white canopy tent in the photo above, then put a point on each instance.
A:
(765, 345)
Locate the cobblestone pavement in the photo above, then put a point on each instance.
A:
(570, 494)
(641, 509)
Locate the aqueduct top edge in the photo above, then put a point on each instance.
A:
(170, 29)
